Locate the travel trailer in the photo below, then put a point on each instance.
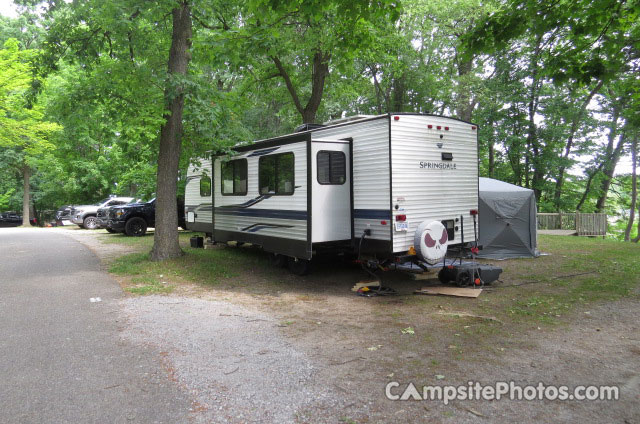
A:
(384, 186)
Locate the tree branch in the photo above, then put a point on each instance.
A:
(289, 84)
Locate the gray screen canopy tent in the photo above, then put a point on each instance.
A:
(507, 220)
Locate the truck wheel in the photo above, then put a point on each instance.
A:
(135, 227)
(90, 223)
(299, 266)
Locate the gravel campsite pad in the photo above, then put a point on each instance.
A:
(232, 361)
(267, 346)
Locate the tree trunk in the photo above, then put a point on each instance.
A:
(464, 102)
(567, 151)
(165, 242)
(398, 94)
(612, 155)
(26, 197)
(608, 170)
(587, 188)
(533, 149)
(376, 84)
(492, 159)
(634, 188)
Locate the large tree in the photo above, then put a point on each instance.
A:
(165, 244)
(23, 130)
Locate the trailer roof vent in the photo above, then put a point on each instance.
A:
(307, 127)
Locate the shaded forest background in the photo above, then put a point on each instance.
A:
(553, 86)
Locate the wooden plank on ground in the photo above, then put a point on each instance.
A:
(449, 291)
(362, 284)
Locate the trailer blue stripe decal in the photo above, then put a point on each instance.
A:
(261, 226)
(264, 213)
(249, 202)
(372, 214)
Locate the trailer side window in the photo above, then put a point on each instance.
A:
(234, 177)
(276, 174)
(331, 167)
(205, 186)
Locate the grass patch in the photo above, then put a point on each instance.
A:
(577, 271)
(209, 267)
(139, 243)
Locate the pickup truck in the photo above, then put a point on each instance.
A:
(85, 215)
(133, 219)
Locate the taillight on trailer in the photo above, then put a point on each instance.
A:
(396, 118)
(473, 128)
(401, 218)
(446, 128)
(439, 127)
(473, 212)
(383, 222)
(429, 126)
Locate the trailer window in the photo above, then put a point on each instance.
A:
(205, 186)
(276, 174)
(331, 167)
(234, 177)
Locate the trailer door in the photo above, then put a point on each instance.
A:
(331, 191)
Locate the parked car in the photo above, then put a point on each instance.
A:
(85, 215)
(134, 219)
(63, 215)
(12, 219)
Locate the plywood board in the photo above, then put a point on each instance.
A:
(449, 291)
(362, 284)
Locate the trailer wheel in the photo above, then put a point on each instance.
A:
(299, 266)
(443, 276)
(463, 279)
(278, 260)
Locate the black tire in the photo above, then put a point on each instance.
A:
(278, 260)
(443, 276)
(299, 266)
(135, 227)
(90, 222)
(110, 230)
(463, 279)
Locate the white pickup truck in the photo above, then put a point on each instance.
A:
(85, 215)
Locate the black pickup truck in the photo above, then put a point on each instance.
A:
(133, 219)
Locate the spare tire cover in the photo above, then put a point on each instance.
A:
(430, 241)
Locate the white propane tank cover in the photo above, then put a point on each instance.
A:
(430, 241)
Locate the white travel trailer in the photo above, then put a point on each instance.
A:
(369, 185)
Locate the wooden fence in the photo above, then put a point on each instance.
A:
(584, 224)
